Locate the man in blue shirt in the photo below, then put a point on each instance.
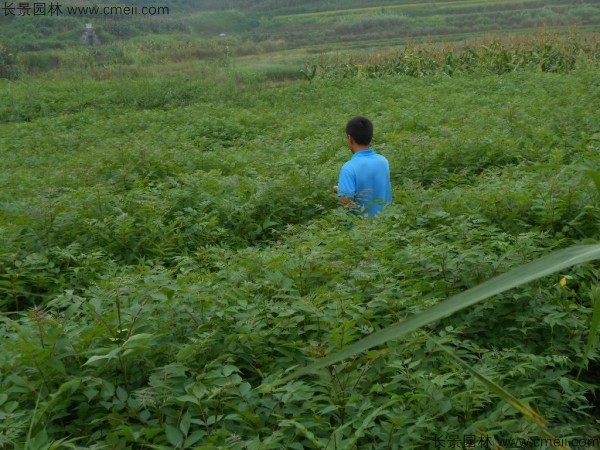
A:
(364, 180)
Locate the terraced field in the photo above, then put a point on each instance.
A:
(450, 20)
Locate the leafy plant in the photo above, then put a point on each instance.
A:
(8, 63)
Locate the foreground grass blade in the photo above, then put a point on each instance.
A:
(595, 321)
(594, 327)
(505, 395)
(546, 265)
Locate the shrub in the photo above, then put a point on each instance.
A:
(8, 63)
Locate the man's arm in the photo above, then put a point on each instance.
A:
(345, 201)
(346, 188)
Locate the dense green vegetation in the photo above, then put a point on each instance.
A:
(170, 247)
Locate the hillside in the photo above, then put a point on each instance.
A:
(303, 24)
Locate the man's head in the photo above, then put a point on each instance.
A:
(360, 132)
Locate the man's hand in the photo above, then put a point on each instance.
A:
(345, 201)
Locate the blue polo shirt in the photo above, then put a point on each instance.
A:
(366, 180)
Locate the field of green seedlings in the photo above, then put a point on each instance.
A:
(171, 251)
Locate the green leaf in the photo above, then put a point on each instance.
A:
(110, 355)
(188, 399)
(595, 176)
(195, 437)
(228, 370)
(546, 265)
(185, 423)
(174, 436)
(136, 344)
(40, 441)
(121, 394)
(138, 341)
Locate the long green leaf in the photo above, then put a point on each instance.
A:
(498, 390)
(594, 327)
(505, 395)
(546, 265)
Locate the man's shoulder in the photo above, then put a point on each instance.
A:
(382, 159)
(348, 165)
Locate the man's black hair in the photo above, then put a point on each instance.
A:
(361, 129)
